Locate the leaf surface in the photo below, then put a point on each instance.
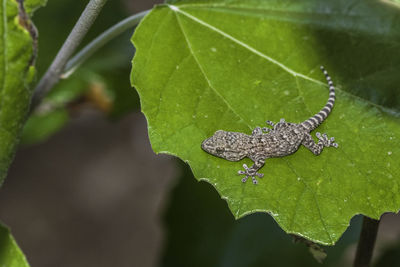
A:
(17, 56)
(203, 66)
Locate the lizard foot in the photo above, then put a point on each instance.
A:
(327, 142)
(250, 173)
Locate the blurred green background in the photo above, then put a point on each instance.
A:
(86, 189)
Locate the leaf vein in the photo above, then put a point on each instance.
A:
(297, 205)
(315, 200)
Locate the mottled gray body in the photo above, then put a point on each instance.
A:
(282, 139)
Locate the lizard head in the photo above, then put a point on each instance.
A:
(226, 145)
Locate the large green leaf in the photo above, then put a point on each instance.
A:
(202, 66)
(10, 253)
(17, 56)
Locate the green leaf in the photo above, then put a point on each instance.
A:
(202, 66)
(10, 253)
(40, 127)
(17, 56)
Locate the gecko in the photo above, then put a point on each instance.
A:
(284, 138)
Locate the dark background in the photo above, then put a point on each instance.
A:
(94, 193)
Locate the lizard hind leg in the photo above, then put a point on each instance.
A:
(323, 141)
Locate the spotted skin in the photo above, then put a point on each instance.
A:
(284, 138)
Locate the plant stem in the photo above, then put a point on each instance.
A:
(100, 41)
(366, 242)
(80, 29)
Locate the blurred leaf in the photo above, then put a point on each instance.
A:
(395, 1)
(10, 253)
(201, 231)
(68, 90)
(39, 127)
(85, 87)
(205, 65)
(52, 114)
(17, 55)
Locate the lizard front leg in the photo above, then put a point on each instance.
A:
(252, 171)
(265, 129)
(323, 141)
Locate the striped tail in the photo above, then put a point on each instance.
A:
(318, 118)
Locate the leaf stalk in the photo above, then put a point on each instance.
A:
(366, 242)
(80, 29)
(100, 41)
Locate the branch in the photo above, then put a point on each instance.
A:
(80, 29)
(100, 41)
(366, 243)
